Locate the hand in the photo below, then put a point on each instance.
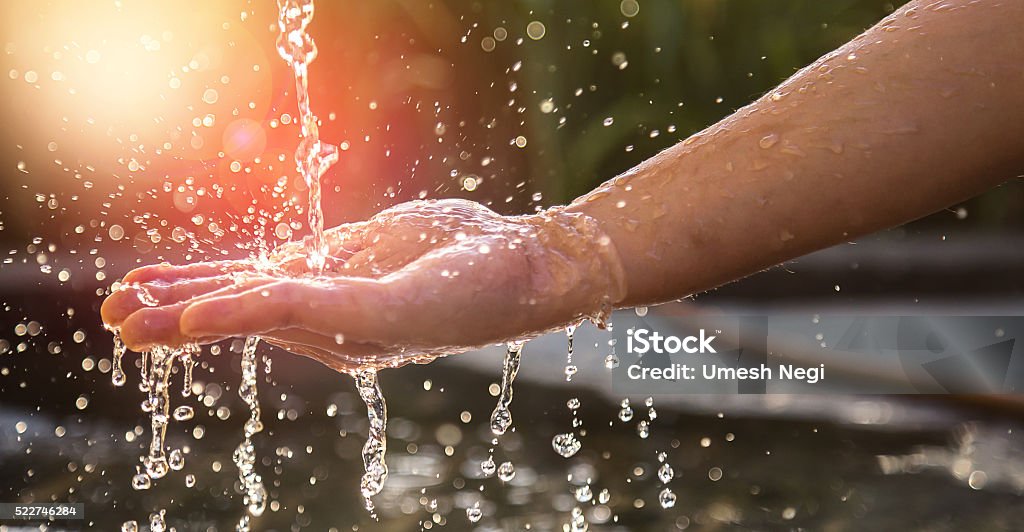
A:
(419, 280)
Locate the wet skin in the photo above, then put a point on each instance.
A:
(921, 111)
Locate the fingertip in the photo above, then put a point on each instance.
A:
(146, 274)
(119, 305)
(148, 327)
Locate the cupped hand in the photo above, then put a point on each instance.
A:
(419, 280)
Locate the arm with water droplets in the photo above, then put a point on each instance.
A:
(921, 111)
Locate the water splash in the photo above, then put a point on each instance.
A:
(501, 418)
(376, 469)
(245, 454)
(312, 157)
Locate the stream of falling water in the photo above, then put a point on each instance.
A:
(245, 455)
(376, 470)
(312, 157)
(501, 418)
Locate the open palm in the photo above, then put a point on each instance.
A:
(416, 281)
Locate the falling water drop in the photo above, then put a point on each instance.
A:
(117, 373)
(506, 471)
(176, 460)
(473, 513)
(626, 413)
(188, 362)
(570, 369)
(487, 467)
(141, 481)
(376, 470)
(183, 413)
(255, 494)
(577, 522)
(501, 418)
(566, 444)
(156, 521)
(667, 498)
(665, 473)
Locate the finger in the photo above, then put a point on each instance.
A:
(353, 306)
(166, 272)
(160, 325)
(130, 298)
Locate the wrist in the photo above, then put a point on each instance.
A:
(595, 262)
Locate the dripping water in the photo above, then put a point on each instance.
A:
(117, 372)
(312, 157)
(376, 470)
(570, 368)
(501, 418)
(255, 498)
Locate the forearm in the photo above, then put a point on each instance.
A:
(923, 110)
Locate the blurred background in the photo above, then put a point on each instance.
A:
(139, 132)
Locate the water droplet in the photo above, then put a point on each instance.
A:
(473, 513)
(506, 471)
(487, 467)
(577, 522)
(156, 522)
(176, 460)
(604, 497)
(183, 413)
(584, 493)
(626, 413)
(643, 429)
(566, 444)
(768, 141)
(665, 473)
(667, 498)
(141, 482)
(611, 361)
(501, 418)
